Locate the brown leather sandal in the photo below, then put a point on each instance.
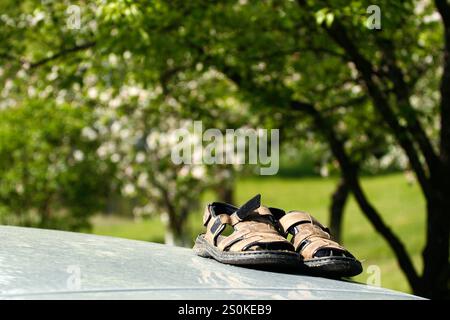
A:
(255, 240)
(321, 255)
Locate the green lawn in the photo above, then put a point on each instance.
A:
(400, 203)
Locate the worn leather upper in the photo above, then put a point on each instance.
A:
(254, 227)
(309, 235)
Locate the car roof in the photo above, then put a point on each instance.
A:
(49, 264)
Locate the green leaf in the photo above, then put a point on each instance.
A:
(321, 15)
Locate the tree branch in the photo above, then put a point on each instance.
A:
(443, 7)
(338, 200)
(346, 104)
(402, 92)
(61, 54)
(339, 34)
(7, 56)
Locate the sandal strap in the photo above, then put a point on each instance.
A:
(309, 235)
(294, 218)
(233, 238)
(253, 224)
(236, 214)
(308, 247)
(255, 239)
(248, 207)
(215, 227)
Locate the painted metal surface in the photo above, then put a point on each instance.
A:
(46, 264)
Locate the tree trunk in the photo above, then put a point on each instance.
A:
(176, 233)
(173, 237)
(338, 201)
(45, 214)
(436, 271)
(175, 222)
(224, 187)
(436, 275)
(225, 193)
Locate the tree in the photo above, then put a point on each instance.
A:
(50, 176)
(139, 134)
(387, 81)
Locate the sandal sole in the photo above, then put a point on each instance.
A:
(333, 266)
(257, 258)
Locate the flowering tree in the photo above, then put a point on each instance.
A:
(140, 143)
(136, 127)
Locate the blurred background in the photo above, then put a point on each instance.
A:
(90, 91)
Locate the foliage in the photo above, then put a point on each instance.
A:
(50, 176)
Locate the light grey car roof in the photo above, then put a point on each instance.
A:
(46, 264)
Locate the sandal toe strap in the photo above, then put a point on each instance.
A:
(308, 247)
(294, 218)
(309, 235)
(255, 239)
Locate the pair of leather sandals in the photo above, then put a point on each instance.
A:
(260, 238)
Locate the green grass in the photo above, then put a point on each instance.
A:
(401, 205)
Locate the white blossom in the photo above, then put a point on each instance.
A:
(92, 92)
(142, 180)
(115, 157)
(89, 133)
(115, 127)
(129, 189)
(198, 172)
(78, 155)
(140, 157)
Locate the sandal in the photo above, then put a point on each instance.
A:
(256, 238)
(321, 255)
